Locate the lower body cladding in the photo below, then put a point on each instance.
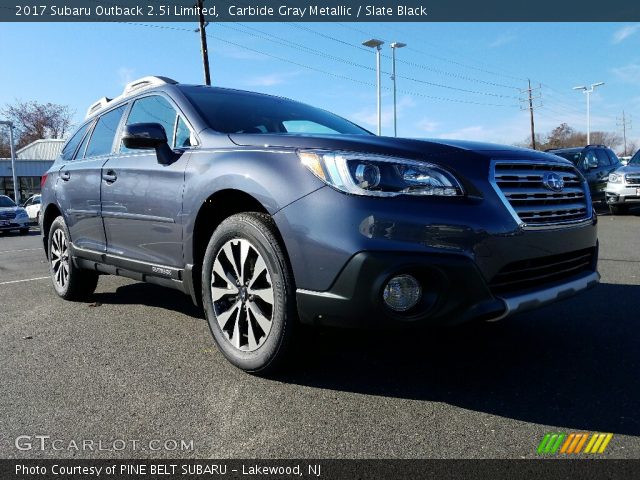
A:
(444, 272)
(441, 289)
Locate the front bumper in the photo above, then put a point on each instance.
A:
(454, 292)
(621, 193)
(14, 224)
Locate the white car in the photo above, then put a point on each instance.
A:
(32, 206)
(623, 187)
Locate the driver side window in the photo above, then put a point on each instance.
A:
(153, 109)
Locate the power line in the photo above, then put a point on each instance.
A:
(406, 62)
(318, 70)
(296, 46)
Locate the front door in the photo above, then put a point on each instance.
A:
(142, 199)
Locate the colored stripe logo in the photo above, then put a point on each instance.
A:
(574, 443)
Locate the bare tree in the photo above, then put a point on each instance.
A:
(33, 120)
(610, 139)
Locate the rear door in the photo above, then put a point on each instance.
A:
(142, 199)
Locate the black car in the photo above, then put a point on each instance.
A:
(595, 162)
(270, 213)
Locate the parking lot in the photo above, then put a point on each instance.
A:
(138, 363)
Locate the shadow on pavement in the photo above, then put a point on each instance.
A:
(150, 295)
(573, 365)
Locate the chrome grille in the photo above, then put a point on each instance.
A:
(522, 185)
(633, 179)
(8, 215)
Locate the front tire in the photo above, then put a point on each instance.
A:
(248, 293)
(69, 281)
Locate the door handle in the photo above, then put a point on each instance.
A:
(110, 176)
(65, 176)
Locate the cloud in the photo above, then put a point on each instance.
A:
(629, 73)
(125, 75)
(369, 116)
(270, 79)
(427, 125)
(625, 32)
(503, 39)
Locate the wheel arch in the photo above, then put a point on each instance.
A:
(216, 208)
(50, 214)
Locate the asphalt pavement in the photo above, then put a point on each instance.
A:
(135, 371)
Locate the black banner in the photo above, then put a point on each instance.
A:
(313, 469)
(317, 11)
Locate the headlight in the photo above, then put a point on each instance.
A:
(380, 176)
(615, 178)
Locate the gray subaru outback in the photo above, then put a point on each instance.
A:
(270, 214)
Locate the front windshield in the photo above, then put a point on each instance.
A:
(636, 159)
(6, 202)
(229, 111)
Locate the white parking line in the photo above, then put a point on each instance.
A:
(26, 280)
(21, 250)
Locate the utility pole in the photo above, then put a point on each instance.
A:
(374, 43)
(625, 123)
(16, 187)
(529, 102)
(588, 92)
(203, 42)
(394, 47)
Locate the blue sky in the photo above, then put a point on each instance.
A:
(459, 80)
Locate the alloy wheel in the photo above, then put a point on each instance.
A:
(60, 258)
(242, 295)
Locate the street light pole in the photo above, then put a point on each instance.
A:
(394, 46)
(373, 43)
(16, 189)
(588, 92)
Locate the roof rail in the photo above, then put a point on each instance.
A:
(146, 82)
(596, 145)
(94, 107)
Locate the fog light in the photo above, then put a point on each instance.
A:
(401, 293)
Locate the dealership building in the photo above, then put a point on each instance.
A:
(31, 162)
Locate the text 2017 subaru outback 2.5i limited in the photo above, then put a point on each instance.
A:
(269, 212)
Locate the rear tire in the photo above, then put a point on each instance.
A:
(69, 281)
(619, 209)
(248, 293)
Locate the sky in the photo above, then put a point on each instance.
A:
(454, 80)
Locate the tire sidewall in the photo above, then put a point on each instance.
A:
(248, 228)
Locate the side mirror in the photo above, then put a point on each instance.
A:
(149, 135)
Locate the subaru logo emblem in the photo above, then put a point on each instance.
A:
(553, 181)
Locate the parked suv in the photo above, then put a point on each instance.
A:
(623, 187)
(595, 162)
(269, 212)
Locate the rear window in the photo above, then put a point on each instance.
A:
(101, 142)
(241, 112)
(72, 144)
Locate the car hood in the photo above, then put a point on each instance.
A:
(413, 148)
(10, 209)
(629, 169)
